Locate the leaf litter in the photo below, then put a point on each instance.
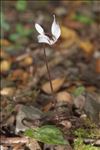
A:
(74, 64)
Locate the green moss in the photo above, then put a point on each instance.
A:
(79, 145)
(86, 133)
(89, 123)
(81, 133)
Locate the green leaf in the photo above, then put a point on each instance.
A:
(22, 31)
(83, 18)
(14, 36)
(78, 91)
(47, 134)
(81, 133)
(21, 5)
(4, 24)
(29, 133)
(19, 28)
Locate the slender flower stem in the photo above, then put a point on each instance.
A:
(51, 86)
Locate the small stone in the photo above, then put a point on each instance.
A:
(67, 124)
(7, 91)
(83, 116)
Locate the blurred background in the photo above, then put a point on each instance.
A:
(80, 25)
(19, 16)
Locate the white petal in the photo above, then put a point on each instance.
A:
(43, 39)
(39, 28)
(55, 29)
(52, 42)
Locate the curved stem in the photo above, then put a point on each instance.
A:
(51, 86)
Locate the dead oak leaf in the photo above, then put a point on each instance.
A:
(56, 83)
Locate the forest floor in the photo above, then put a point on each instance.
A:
(32, 118)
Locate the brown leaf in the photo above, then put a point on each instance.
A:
(67, 33)
(4, 42)
(5, 65)
(47, 107)
(26, 61)
(64, 97)
(97, 65)
(87, 47)
(3, 54)
(33, 144)
(57, 83)
(19, 75)
(91, 88)
(69, 37)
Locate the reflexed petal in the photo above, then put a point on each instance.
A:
(52, 42)
(55, 29)
(39, 28)
(43, 39)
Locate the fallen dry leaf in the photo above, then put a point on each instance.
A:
(28, 112)
(5, 66)
(33, 143)
(26, 61)
(19, 75)
(67, 33)
(4, 42)
(87, 47)
(91, 88)
(17, 146)
(3, 54)
(71, 88)
(47, 107)
(64, 97)
(97, 65)
(63, 147)
(68, 36)
(57, 83)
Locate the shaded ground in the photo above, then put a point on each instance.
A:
(74, 64)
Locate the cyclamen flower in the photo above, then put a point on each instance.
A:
(55, 30)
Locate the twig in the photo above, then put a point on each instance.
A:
(13, 140)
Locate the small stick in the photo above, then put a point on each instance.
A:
(14, 140)
(51, 86)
